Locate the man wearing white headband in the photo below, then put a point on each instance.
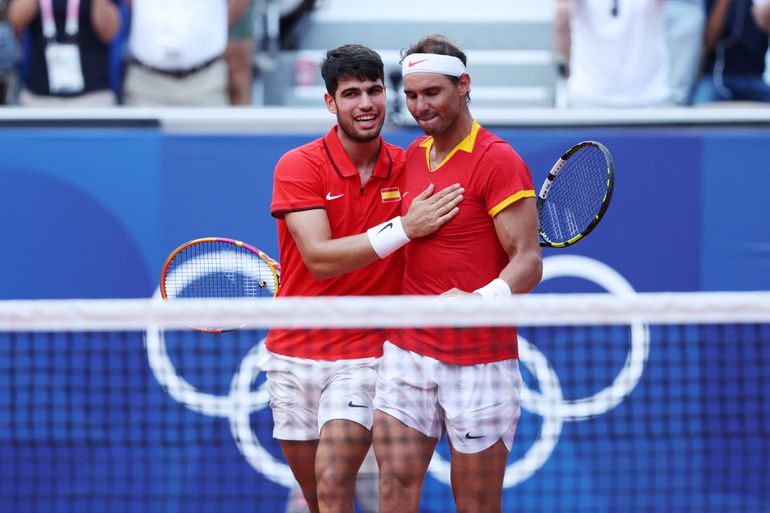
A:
(337, 201)
(464, 382)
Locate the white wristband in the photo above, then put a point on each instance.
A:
(387, 237)
(494, 289)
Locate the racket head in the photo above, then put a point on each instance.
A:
(575, 195)
(218, 267)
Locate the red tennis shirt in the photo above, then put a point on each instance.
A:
(321, 175)
(466, 252)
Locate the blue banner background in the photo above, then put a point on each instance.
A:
(95, 212)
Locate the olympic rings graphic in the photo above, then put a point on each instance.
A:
(548, 403)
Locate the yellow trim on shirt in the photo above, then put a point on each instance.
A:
(510, 200)
(465, 145)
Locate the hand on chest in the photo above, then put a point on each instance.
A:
(456, 170)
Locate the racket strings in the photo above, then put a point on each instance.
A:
(576, 196)
(219, 270)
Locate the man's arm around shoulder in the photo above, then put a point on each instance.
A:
(326, 257)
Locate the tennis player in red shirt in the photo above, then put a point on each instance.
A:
(464, 382)
(341, 232)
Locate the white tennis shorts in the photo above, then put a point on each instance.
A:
(306, 394)
(476, 404)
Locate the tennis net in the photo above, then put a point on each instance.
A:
(651, 402)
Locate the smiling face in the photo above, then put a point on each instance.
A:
(435, 101)
(360, 108)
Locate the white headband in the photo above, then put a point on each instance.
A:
(432, 63)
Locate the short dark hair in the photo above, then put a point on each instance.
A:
(441, 45)
(348, 61)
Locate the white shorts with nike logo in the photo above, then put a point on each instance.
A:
(306, 394)
(478, 404)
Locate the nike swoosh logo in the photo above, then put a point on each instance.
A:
(415, 63)
(330, 197)
(389, 225)
(471, 437)
(404, 195)
(351, 405)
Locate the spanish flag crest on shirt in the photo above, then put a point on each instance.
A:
(390, 194)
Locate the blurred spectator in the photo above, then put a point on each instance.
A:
(240, 48)
(686, 21)
(9, 56)
(762, 14)
(613, 52)
(67, 52)
(735, 62)
(177, 50)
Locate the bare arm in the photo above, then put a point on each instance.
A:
(323, 256)
(105, 17)
(326, 257)
(561, 34)
(21, 13)
(761, 13)
(715, 23)
(516, 228)
(235, 8)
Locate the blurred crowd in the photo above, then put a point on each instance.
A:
(653, 53)
(97, 53)
(610, 53)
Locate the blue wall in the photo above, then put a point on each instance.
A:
(96, 211)
(87, 213)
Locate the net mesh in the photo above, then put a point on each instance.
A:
(639, 404)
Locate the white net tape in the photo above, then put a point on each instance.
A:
(392, 311)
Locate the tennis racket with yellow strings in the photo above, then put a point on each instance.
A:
(575, 195)
(216, 267)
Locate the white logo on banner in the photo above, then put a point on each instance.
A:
(549, 402)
